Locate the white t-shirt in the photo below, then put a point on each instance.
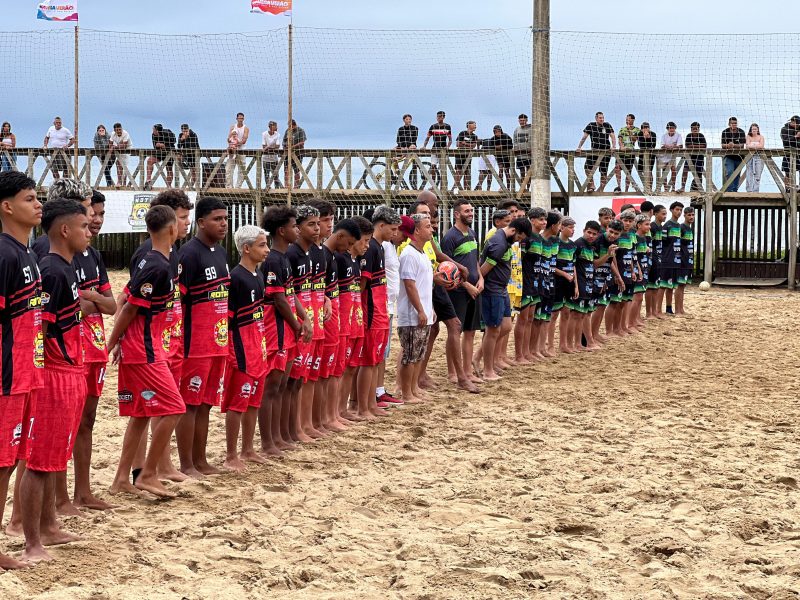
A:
(121, 139)
(669, 139)
(58, 138)
(270, 140)
(415, 265)
(391, 263)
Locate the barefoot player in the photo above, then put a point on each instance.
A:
(687, 258)
(654, 289)
(140, 343)
(525, 333)
(20, 326)
(247, 350)
(582, 301)
(671, 253)
(565, 283)
(59, 404)
(204, 280)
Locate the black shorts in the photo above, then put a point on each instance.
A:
(628, 161)
(699, 163)
(564, 291)
(785, 164)
(461, 162)
(503, 162)
(161, 156)
(652, 274)
(604, 162)
(442, 305)
(467, 310)
(523, 162)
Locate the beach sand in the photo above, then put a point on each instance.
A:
(665, 466)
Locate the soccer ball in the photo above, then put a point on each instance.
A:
(704, 286)
(449, 271)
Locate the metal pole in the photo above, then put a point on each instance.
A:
(290, 134)
(75, 147)
(540, 111)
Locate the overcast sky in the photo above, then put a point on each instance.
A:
(352, 86)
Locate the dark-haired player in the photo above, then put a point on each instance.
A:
(96, 301)
(655, 293)
(687, 258)
(544, 309)
(204, 279)
(671, 253)
(525, 333)
(140, 344)
(564, 283)
(64, 188)
(21, 372)
(643, 254)
(247, 350)
(581, 303)
(606, 275)
(344, 235)
(59, 404)
(622, 293)
(285, 324)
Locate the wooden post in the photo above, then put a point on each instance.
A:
(792, 223)
(290, 134)
(75, 147)
(540, 110)
(259, 174)
(708, 235)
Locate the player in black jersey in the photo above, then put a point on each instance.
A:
(581, 303)
(565, 283)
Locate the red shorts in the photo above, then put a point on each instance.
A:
(95, 378)
(24, 449)
(241, 390)
(342, 354)
(148, 390)
(307, 355)
(203, 380)
(354, 347)
(59, 405)
(328, 364)
(176, 368)
(13, 426)
(374, 347)
(278, 359)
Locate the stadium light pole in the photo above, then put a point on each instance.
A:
(540, 109)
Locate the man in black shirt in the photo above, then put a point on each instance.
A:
(163, 144)
(732, 139)
(407, 137)
(501, 146)
(466, 141)
(442, 135)
(602, 138)
(694, 141)
(647, 141)
(790, 138)
(188, 144)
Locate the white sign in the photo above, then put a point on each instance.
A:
(58, 11)
(584, 208)
(125, 210)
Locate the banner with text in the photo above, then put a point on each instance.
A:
(584, 208)
(52, 11)
(272, 7)
(125, 210)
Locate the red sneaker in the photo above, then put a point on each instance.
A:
(382, 404)
(387, 397)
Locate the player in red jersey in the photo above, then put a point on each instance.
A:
(20, 326)
(376, 311)
(179, 202)
(351, 321)
(140, 343)
(59, 404)
(247, 350)
(96, 301)
(302, 274)
(344, 235)
(285, 325)
(204, 279)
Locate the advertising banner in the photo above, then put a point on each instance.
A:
(125, 210)
(272, 7)
(54, 11)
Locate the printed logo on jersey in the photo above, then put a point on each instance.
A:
(221, 331)
(263, 348)
(177, 330)
(146, 289)
(166, 338)
(271, 277)
(17, 435)
(321, 319)
(38, 350)
(98, 337)
(195, 383)
(220, 293)
(35, 302)
(359, 315)
(124, 396)
(45, 298)
(148, 395)
(310, 314)
(247, 389)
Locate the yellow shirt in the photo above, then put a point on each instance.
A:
(515, 283)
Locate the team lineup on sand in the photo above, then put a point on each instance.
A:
(293, 340)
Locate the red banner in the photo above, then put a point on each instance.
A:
(273, 7)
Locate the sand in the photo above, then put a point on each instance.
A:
(663, 467)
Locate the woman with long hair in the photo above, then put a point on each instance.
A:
(754, 142)
(102, 141)
(8, 141)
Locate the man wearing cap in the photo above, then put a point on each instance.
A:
(188, 144)
(790, 138)
(163, 144)
(694, 141)
(603, 139)
(442, 135)
(647, 142)
(501, 146)
(733, 138)
(522, 147)
(671, 140)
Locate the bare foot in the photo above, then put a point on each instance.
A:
(523, 361)
(234, 464)
(35, 555)
(124, 487)
(14, 529)
(253, 457)
(336, 427)
(94, 503)
(7, 563)
(368, 416)
(475, 379)
(452, 378)
(271, 451)
(468, 386)
(68, 509)
(501, 365)
(426, 383)
(413, 400)
(379, 412)
(192, 472)
(284, 445)
(491, 376)
(476, 367)
(58, 537)
(172, 475)
(154, 486)
(302, 438)
(566, 350)
(207, 469)
(315, 433)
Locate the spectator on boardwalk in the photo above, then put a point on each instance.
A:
(60, 138)
(790, 138)
(164, 145)
(8, 141)
(442, 135)
(237, 138)
(733, 138)
(407, 137)
(501, 145)
(299, 139)
(522, 147)
(486, 162)
(271, 144)
(754, 141)
(602, 139)
(466, 141)
(671, 140)
(188, 145)
(627, 138)
(102, 146)
(694, 141)
(120, 143)
(646, 164)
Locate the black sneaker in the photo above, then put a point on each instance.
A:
(617, 190)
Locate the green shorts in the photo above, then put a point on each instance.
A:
(639, 288)
(529, 300)
(582, 306)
